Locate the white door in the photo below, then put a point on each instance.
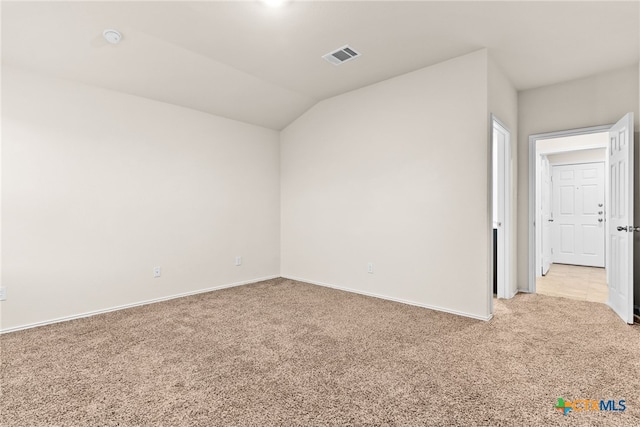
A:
(578, 214)
(502, 205)
(620, 218)
(545, 215)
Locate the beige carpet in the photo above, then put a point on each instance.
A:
(285, 353)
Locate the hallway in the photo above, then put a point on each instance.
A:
(574, 282)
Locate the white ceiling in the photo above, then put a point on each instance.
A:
(246, 61)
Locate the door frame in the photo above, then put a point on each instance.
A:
(504, 163)
(533, 173)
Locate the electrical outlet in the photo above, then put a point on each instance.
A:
(238, 260)
(3, 293)
(156, 272)
(370, 268)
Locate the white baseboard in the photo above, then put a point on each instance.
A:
(231, 285)
(403, 301)
(135, 304)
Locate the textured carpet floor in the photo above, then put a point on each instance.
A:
(286, 353)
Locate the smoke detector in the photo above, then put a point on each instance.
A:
(112, 36)
(342, 55)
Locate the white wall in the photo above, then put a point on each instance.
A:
(592, 101)
(503, 103)
(395, 174)
(581, 156)
(99, 187)
(573, 143)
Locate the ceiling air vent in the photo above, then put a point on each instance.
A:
(341, 55)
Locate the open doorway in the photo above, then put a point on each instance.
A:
(570, 207)
(617, 213)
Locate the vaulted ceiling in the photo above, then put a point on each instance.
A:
(250, 62)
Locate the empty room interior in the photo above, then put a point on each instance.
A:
(289, 212)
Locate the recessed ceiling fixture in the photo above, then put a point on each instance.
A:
(275, 3)
(112, 36)
(342, 55)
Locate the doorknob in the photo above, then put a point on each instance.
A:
(599, 212)
(599, 219)
(550, 220)
(621, 228)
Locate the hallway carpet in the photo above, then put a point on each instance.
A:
(282, 352)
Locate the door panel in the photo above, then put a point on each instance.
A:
(579, 232)
(567, 239)
(502, 207)
(567, 199)
(592, 241)
(590, 199)
(620, 218)
(546, 217)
